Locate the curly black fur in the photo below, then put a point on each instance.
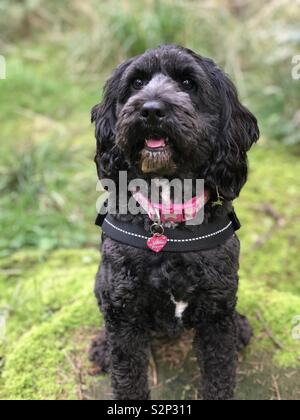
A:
(210, 132)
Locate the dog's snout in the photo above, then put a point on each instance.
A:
(153, 111)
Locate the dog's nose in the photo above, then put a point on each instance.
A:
(153, 111)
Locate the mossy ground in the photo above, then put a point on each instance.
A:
(50, 312)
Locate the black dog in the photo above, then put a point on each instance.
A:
(191, 108)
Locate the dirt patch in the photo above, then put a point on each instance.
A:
(174, 374)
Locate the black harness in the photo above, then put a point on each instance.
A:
(180, 239)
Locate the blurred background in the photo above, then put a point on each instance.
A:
(57, 56)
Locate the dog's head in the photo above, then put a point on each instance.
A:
(172, 113)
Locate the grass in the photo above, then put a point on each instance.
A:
(46, 158)
(254, 42)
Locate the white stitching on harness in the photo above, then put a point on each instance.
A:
(170, 240)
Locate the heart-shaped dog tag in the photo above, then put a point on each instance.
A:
(157, 243)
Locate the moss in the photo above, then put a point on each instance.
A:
(269, 211)
(32, 371)
(46, 307)
(274, 311)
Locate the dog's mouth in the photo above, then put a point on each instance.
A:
(156, 156)
(156, 143)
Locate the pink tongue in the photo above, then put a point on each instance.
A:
(155, 143)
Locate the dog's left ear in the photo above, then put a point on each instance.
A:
(239, 124)
(108, 159)
(237, 133)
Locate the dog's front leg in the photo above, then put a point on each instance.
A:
(216, 348)
(129, 361)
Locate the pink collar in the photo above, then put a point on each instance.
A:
(177, 213)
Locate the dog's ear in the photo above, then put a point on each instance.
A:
(108, 158)
(238, 131)
(239, 124)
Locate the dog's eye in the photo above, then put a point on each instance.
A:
(187, 84)
(138, 84)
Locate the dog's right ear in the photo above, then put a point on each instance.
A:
(108, 159)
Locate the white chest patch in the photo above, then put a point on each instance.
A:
(180, 307)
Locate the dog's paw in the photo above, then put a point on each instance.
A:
(99, 354)
(245, 332)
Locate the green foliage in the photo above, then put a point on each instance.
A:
(255, 42)
(47, 176)
(39, 197)
(139, 28)
(23, 18)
